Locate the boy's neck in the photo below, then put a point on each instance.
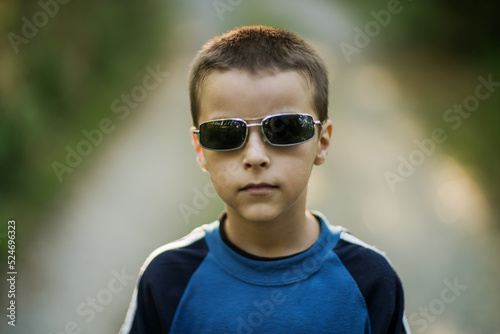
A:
(289, 234)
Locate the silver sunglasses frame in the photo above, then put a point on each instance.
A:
(247, 126)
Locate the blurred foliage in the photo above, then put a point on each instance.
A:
(438, 50)
(461, 29)
(63, 80)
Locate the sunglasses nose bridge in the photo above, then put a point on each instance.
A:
(255, 125)
(252, 125)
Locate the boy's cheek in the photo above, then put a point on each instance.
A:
(223, 173)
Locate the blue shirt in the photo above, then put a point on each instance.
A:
(202, 284)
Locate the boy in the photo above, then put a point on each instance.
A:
(259, 100)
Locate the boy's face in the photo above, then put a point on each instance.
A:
(260, 182)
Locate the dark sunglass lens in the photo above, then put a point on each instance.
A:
(222, 134)
(289, 129)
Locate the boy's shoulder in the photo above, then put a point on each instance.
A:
(185, 253)
(377, 281)
(368, 266)
(363, 261)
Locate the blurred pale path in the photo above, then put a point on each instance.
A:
(434, 225)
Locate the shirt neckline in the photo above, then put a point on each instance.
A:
(225, 239)
(278, 271)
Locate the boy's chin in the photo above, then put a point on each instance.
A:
(259, 214)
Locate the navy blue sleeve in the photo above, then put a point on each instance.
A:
(379, 285)
(162, 285)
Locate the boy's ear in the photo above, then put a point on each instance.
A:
(324, 142)
(200, 157)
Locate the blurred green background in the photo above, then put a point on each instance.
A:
(62, 75)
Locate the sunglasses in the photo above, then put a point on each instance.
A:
(279, 130)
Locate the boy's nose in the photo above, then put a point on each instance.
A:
(255, 151)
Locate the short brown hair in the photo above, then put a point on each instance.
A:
(259, 48)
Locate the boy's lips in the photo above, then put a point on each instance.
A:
(258, 188)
